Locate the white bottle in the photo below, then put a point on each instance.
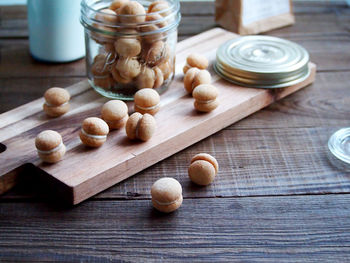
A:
(55, 32)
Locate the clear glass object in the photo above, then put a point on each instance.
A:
(125, 53)
(339, 146)
(55, 34)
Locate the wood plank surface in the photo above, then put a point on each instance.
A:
(222, 222)
(311, 107)
(80, 177)
(252, 163)
(16, 91)
(256, 229)
(294, 112)
(329, 23)
(327, 51)
(327, 17)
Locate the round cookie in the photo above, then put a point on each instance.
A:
(50, 146)
(56, 102)
(105, 82)
(146, 78)
(140, 126)
(127, 47)
(147, 101)
(116, 4)
(115, 114)
(103, 38)
(149, 78)
(159, 7)
(94, 132)
(205, 96)
(195, 77)
(128, 67)
(117, 77)
(152, 27)
(99, 57)
(195, 61)
(100, 72)
(156, 53)
(166, 68)
(203, 169)
(132, 12)
(159, 78)
(166, 194)
(161, 22)
(99, 66)
(107, 16)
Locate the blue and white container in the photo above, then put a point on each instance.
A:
(55, 32)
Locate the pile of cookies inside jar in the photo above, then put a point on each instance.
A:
(130, 45)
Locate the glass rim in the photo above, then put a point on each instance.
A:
(90, 22)
(335, 144)
(174, 7)
(165, 29)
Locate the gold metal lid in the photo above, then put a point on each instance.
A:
(262, 62)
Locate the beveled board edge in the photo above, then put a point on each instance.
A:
(25, 118)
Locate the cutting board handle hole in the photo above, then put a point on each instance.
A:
(2, 148)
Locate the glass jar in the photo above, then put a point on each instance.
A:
(130, 45)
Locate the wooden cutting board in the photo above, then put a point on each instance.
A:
(84, 172)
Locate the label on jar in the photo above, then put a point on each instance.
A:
(255, 10)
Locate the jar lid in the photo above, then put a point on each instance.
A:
(262, 62)
(339, 145)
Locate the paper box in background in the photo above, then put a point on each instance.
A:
(247, 17)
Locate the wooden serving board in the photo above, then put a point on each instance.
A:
(84, 171)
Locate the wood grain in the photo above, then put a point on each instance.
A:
(327, 51)
(326, 17)
(80, 178)
(305, 120)
(19, 63)
(253, 162)
(323, 104)
(302, 228)
(18, 91)
(329, 23)
(264, 229)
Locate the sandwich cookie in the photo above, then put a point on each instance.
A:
(94, 132)
(132, 12)
(100, 72)
(149, 78)
(195, 77)
(50, 146)
(56, 102)
(195, 61)
(127, 47)
(166, 194)
(166, 68)
(115, 114)
(116, 4)
(140, 126)
(107, 15)
(128, 68)
(203, 169)
(205, 96)
(161, 7)
(147, 101)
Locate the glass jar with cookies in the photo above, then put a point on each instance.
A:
(130, 45)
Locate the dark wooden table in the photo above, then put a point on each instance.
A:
(277, 197)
